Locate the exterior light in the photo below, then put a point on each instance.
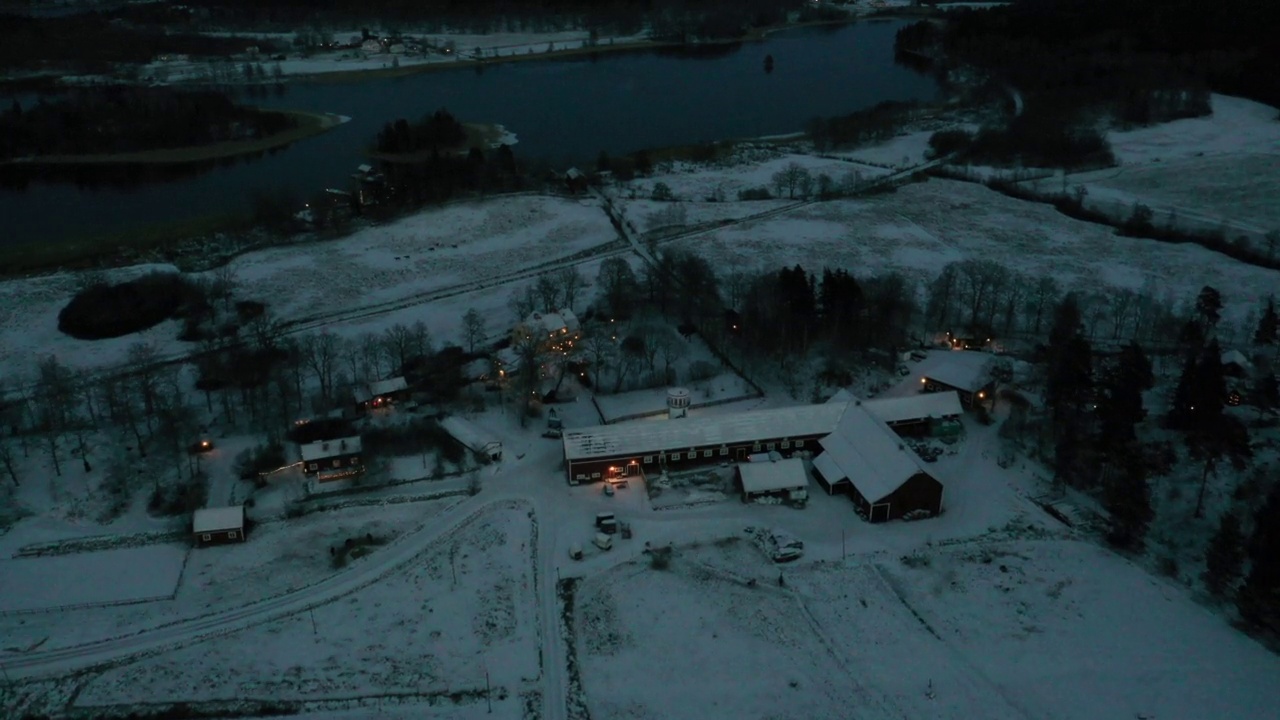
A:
(923, 380)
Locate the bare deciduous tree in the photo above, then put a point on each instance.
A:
(599, 350)
(547, 289)
(398, 339)
(320, 352)
(523, 302)
(794, 177)
(54, 395)
(570, 282)
(473, 330)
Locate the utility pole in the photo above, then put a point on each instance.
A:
(488, 697)
(842, 553)
(315, 631)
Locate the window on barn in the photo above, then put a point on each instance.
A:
(799, 443)
(706, 453)
(595, 476)
(580, 476)
(755, 447)
(770, 448)
(206, 537)
(648, 459)
(786, 444)
(231, 534)
(355, 459)
(313, 467)
(337, 463)
(724, 451)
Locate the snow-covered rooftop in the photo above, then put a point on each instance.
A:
(647, 436)
(867, 453)
(388, 386)
(330, 448)
(962, 369)
(554, 323)
(915, 407)
(219, 518)
(772, 475)
(470, 434)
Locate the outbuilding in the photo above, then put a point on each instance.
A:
(473, 437)
(966, 372)
(866, 460)
(927, 414)
(217, 526)
(335, 459)
(773, 476)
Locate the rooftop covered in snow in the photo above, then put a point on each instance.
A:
(915, 407)
(337, 447)
(648, 436)
(960, 369)
(865, 452)
(219, 518)
(772, 475)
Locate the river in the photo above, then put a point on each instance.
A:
(565, 111)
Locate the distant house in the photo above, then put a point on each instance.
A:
(380, 393)
(559, 325)
(329, 460)
(396, 49)
(575, 181)
(372, 46)
(473, 437)
(1235, 364)
(866, 460)
(217, 526)
(968, 373)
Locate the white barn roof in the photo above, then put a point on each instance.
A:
(469, 434)
(915, 407)
(963, 369)
(386, 387)
(330, 448)
(867, 453)
(650, 436)
(554, 323)
(219, 518)
(770, 476)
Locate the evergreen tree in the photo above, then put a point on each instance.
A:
(1120, 406)
(1209, 308)
(1070, 383)
(1259, 598)
(1223, 437)
(1268, 325)
(1127, 497)
(1265, 393)
(1224, 557)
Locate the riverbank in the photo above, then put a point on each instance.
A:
(309, 124)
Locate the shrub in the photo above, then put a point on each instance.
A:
(254, 461)
(946, 142)
(760, 193)
(180, 498)
(107, 311)
(702, 370)
(660, 558)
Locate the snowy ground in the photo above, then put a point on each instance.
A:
(922, 227)
(100, 578)
(1224, 168)
(380, 267)
(436, 628)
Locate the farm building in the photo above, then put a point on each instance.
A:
(380, 393)
(936, 414)
(864, 458)
(966, 372)
(335, 459)
(773, 476)
(473, 437)
(630, 448)
(216, 526)
(558, 326)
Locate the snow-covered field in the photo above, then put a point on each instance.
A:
(985, 629)
(437, 627)
(922, 227)
(99, 578)
(1220, 168)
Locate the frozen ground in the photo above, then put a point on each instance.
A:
(382, 267)
(436, 627)
(922, 227)
(100, 578)
(1007, 629)
(1224, 168)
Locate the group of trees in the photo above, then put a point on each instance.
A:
(436, 132)
(1095, 428)
(128, 119)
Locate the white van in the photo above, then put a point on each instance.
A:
(604, 542)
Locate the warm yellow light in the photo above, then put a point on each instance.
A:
(923, 380)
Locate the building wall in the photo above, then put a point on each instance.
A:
(219, 537)
(966, 397)
(920, 492)
(598, 469)
(331, 463)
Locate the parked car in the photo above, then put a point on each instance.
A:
(608, 489)
(575, 552)
(784, 547)
(607, 522)
(604, 542)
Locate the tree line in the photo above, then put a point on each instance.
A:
(438, 132)
(124, 119)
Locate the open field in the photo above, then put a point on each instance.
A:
(433, 629)
(112, 576)
(991, 630)
(922, 227)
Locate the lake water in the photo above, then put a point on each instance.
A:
(565, 111)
